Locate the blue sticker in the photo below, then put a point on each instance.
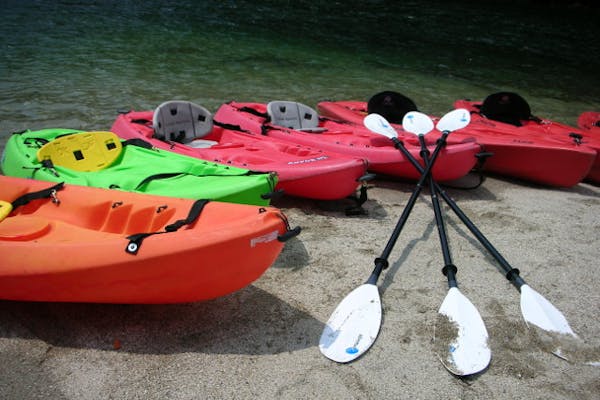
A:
(351, 350)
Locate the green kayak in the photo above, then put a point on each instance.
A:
(103, 160)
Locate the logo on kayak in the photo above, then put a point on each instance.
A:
(269, 237)
(309, 160)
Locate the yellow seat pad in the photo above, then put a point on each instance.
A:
(86, 151)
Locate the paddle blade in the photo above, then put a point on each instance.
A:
(461, 337)
(417, 123)
(353, 326)
(540, 312)
(378, 124)
(455, 119)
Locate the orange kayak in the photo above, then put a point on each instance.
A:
(70, 243)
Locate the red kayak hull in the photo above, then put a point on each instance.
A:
(454, 161)
(301, 170)
(517, 152)
(590, 121)
(581, 147)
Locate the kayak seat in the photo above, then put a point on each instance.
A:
(391, 105)
(293, 115)
(183, 122)
(85, 151)
(507, 107)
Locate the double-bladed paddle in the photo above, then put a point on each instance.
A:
(535, 308)
(355, 323)
(461, 336)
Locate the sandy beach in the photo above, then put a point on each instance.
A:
(262, 342)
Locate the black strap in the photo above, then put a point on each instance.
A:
(41, 194)
(137, 142)
(248, 172)
(230, 127)
(135, 240)
(158, 176)
(252, 111)
(193, 215)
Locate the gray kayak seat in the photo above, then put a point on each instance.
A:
(290, 114)
(183, 122)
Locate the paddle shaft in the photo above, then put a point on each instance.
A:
(512, 274)
(449, 268)
(381, 262)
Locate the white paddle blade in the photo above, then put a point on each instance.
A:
(378, 124)
(455, 119)
(353, 326)
(540, 312)
(463, 349)
(417, 123)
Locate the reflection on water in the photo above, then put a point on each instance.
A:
(73, 64)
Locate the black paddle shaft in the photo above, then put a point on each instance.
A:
(512, 274)
(381, 262)
(449, 268)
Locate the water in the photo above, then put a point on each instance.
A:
(73, 64)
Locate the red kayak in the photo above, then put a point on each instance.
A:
(560, 155)
(188, 129)
(590, 120)
(514, 154)
(299, 124)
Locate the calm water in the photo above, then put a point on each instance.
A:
(73, 64)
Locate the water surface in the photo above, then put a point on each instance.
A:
(73, 64)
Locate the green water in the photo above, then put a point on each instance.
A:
(73, 64)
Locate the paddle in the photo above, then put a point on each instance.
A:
(460, 332)
(535, 309)
(354, 325)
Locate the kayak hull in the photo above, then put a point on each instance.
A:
(74, 251)
(454, 161)
(302, 171)
(590, 121)
(516, 151)
(547, 136)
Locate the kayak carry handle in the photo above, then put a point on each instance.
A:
(289, 234)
